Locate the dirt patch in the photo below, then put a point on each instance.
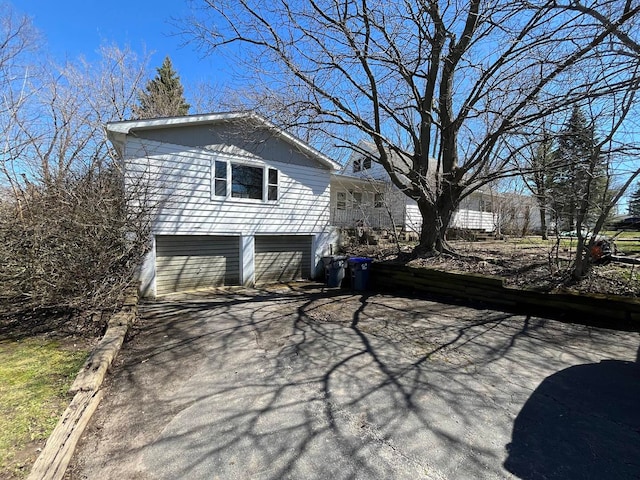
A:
(60, 325)
(523, 264)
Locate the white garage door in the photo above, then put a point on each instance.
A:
(281, 258)
(185, 262)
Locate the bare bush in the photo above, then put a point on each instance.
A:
(73, 244)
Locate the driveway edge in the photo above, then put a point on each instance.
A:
(52, 462)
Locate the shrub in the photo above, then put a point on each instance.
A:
(74, 243)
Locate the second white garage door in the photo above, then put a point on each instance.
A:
(281, 258)
(186, 262)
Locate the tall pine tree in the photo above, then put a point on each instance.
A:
(163, 95)
(575, 176)
(634, 202)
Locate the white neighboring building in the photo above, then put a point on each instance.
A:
(363, 194)
(236, 200)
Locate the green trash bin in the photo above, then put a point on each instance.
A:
(360, 267)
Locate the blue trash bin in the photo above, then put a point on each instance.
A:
(359, 267)
(334, 267)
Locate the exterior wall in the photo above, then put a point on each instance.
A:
(176, 182)
(237, 139)
(413, 218)
(390, 213)
(473, 220)
(376, 172)
(481, 210)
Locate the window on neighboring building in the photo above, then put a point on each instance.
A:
(360, 164)
(239, 180)
(356, 198)
(485, 205)
(378, 200)
(341, 200)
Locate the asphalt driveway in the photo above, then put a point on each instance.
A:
(307, 384)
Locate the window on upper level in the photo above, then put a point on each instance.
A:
(247, 182)
(341, 200)
(220, 179)
(272, 184)
(360, 164)
(378, 200)
(244, 181)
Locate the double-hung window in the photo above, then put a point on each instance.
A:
(356, 199)
(361, 164)
(244, 181)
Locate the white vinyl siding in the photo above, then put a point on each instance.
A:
(187, 262)
(473, 220)
(413, 217)
(178, 183)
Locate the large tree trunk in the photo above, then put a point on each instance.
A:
(435, 221)
(582, 261)
(543, 221)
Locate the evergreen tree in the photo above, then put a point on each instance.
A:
(575, 175)
(634, 202)
(163, 95)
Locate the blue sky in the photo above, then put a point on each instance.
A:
(78, 27)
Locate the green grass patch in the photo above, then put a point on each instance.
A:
(627, 242)
(35, 376)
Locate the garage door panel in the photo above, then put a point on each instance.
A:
(196, 261)
(282, 258)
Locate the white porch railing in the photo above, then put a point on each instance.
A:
(379, 218)
(371, 218)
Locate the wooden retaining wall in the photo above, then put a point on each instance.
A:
(601, 310)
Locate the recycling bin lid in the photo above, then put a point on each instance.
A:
(360, 260)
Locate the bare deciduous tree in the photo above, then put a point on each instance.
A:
(68, 233)
(458, 82)
(18, 42)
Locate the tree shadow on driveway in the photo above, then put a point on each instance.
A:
(324, 385)
(580, 423)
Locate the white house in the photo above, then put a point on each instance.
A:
(362, 193)
(236, 200)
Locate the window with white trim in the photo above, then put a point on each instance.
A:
(220, 179)
(341, 200)
(360, 164)
(272, 184)
(356, 198)
(237, 180)
(378, 200)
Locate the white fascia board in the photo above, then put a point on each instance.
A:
(167, 122)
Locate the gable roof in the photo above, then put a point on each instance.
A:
(117, 131)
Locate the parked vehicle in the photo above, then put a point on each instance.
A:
(572, 234)
(629, 223)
